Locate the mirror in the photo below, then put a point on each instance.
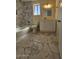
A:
(48, 12)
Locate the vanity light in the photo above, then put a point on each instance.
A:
(47, 6)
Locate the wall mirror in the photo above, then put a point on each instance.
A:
(48, 12)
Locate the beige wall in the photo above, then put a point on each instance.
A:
(41, 17)
(49, 24)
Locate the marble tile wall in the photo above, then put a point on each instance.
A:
(24, 13)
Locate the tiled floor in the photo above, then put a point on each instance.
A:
(36, 46)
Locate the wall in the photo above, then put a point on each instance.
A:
(19, 10)
(24, 13)
(36, 19)
(39, 19)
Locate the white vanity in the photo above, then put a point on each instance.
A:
(47, 25)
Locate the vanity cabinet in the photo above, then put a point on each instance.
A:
(47, 25)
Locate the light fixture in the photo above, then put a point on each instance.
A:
(47, 6)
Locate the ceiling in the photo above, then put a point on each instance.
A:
(28, 0)
(38, 0)
(42, 1)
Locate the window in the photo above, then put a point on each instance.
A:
(36, 9)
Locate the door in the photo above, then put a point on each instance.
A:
(59, 29)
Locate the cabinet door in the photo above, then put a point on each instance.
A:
(47, 25)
